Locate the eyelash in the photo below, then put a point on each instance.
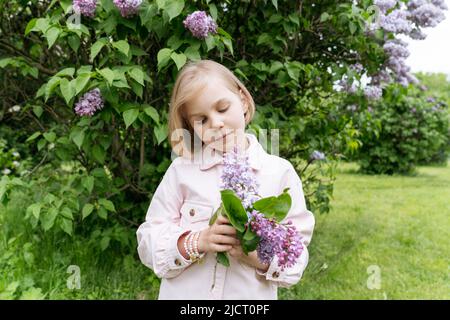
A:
(221, 111)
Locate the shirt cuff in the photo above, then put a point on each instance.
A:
(176, 259)
(273, 272)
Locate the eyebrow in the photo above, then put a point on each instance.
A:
(218, 102)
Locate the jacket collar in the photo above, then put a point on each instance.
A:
(255, 153)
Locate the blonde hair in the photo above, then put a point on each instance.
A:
(188, 84)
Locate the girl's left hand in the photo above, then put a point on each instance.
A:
(251, 259)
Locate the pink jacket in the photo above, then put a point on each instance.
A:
(186, 198)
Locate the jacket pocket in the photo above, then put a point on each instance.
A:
(195, 215)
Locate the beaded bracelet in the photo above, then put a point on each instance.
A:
(185, 244)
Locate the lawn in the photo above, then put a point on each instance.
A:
(397, 226)
(391, 232)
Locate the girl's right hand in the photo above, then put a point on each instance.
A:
(219, 237)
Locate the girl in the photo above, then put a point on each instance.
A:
(209, 111)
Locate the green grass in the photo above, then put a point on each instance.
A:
(398, 223)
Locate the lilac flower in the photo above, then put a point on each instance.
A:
(127, 7)
(417, 34)
(430, 99)
(427, 15)
(317, 155)
(85, 7)
(396, 48)
(89, 103)
(440, 4)
(373, 92)
(413, 110)
(282, 240)
(396, 22)
(385, 5)
(200, 24)
(358, 67)
(238, 176)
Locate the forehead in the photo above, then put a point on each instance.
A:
(215, 90)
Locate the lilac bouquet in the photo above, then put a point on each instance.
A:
(257, 220)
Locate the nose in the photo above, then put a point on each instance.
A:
(216, 122)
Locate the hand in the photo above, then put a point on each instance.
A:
(251, 259)
(219, 237)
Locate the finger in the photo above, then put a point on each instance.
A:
(221, 247)
(225, 229)
(221, 239)
(222, 220)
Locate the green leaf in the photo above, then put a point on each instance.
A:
(108, 74)
(275, 207)
(41, 143)
(249, 241)
(216, 214)
(137, 74)
(163, 57)
(104, 243)
(67, 226)
(50, 136)
(97, 47)
(160, 133)
(122, 46)
(228, 44)
(102, 213)
(30, 26)
(179, 59)
(222, 258)
(88, 183)
(33, 136)
(324, 17)
(107, 204)
(74, 42)
(81, 81)
(67, 90)
(99, 153)
(52, 35)
(67, 213)
(35, 209)
(38, 111)
(48, 218)
(172, 7)
(130, 116)
(87, 210)
(77, 136)
(275, 4)
(234, 210)
(66, 72)
(149, 110)
(192, 53)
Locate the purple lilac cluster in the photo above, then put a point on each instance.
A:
(398, 18)
(317, 155)
(238, 176)
(85, 7)
(200, 24)
(127, 7)
(89, 103)
(281, 240)
(373, 92)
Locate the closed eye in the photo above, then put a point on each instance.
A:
(223, 110)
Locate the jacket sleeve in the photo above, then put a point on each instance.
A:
(304, 221)
(157, 237)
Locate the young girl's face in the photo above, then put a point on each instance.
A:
(218, 116)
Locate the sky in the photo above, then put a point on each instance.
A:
(433, 53)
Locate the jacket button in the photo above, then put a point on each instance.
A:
(192, 212)
(275, 274)
(177, 262)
